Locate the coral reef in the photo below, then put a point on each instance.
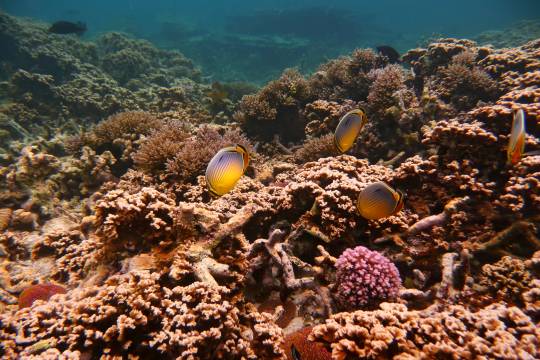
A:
(103, 150)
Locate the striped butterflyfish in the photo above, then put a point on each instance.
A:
(516, 145)
(226, 168)
(348, 129)
(378, 200)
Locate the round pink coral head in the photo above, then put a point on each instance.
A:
(365, 277)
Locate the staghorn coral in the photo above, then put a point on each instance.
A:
(137, 315)
(365, 277)
(393, 331)
(273, 251)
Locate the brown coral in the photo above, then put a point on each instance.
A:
(196, 152)
(138, 315)
(129, 218)
(162, 145)
(393, 331)
(275, 109)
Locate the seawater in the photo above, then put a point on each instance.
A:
(241, 40)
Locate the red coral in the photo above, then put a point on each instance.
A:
(39, 292)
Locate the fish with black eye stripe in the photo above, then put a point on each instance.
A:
(226, 168)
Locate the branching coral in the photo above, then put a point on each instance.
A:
(162, 145)
(316, 148)
(128, 219)
(323, 116)
(496, 331)
(193, 156)
(124, 125)
(137, 315)
(464, 85)
(75, 256)
(275, 109)
(330, 187)
(346, 77)
(508, 279)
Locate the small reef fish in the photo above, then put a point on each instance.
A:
(379, 200)
(67, 27)
(348, 129)
(388, 51)
(226, 168)
(295, 354)
(516, 145)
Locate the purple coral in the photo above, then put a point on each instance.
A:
(365, 277)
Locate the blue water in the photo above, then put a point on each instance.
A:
(201, 28)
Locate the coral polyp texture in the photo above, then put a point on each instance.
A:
(103, 151)
(364, 276)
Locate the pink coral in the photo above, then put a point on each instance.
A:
(364, 276)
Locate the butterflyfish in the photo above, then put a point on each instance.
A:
(226, 168)
(378, 200)
(516, 145)
(348, 129)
